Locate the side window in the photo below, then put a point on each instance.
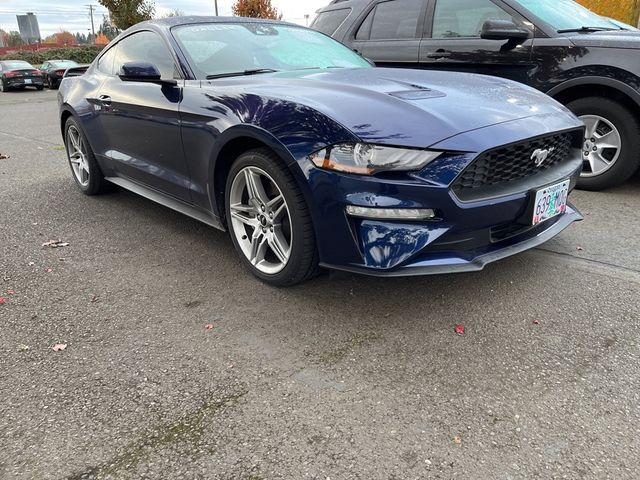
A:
(328, 22)
(464, 18)
(146, 47)
(105, 62)
(44, 66)
(393, 20)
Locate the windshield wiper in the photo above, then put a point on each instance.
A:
(588, 29)
(254, 71)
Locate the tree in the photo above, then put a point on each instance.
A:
(65, 38)
(107, 29)
(623, 10)
(13, 39)
(125, 13)
(172, 13)
(256, 9)
(101, 39)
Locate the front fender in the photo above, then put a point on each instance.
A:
(624, 82)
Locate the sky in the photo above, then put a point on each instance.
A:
(73, 15)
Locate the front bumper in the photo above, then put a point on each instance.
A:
(466, 236)
(460, 262)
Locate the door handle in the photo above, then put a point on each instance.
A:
(440, 53)
(104, 100)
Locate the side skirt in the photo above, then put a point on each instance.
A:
(169, 202)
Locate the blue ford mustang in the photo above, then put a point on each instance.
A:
(312, 157)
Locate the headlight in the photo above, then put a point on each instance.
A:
(368, 159)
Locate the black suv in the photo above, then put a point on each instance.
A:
(581, 59)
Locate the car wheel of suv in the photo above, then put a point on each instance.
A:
(268, 219)
(611, 151)
(84, 166)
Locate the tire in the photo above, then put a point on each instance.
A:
(291, 227)
(3, 87)
(40, 87)
(95, 182)
(626, 126)
(49, 83)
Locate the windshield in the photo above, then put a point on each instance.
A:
(64, 64)
(17, 65)
(565, 14)
(222, 48)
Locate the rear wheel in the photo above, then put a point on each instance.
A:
(269, 221)
(3, 86)
(611, 151)
(40, 87)
(85, 168)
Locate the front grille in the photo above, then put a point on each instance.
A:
(512, 162)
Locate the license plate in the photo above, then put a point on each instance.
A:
(550, 202)
(27, 80)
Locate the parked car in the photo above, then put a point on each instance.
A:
(53, 71)
(557, 46)
(19, 74)
(310, 156)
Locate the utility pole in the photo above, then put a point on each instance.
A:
(216, 4)
(93, 28)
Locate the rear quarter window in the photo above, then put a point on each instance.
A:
(328, 22)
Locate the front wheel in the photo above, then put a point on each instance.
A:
(268, 219)
(611, 150)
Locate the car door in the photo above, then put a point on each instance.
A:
(44, 68)
(389, 32)
(452, 40)
(141, 120)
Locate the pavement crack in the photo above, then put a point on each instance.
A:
(617, 271)
(28, 139)
(187, 431)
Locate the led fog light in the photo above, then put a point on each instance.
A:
(391, 213)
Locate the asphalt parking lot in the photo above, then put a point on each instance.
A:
(344, 377)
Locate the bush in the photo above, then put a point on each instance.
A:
(84, 54)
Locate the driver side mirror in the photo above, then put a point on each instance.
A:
(142, 72)
(504, 30)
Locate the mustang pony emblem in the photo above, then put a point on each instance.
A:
(540, 155)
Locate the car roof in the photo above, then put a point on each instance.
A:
(338, 4)
(193, 19)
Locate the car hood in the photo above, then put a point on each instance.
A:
(401, 106)
(612, 39)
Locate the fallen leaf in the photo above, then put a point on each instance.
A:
(55, 244)
(11, 292)
(3, 300)
(58, 347)
(536, 322)
(460, 329)
(22, 347)
(3, 156)
(94, 299)
(31, 264)
(579, 249)
(48, 270)
(208, 326)
(457, 440)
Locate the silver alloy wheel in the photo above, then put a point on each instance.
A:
(602, 145)
(77, 155)
(260, 220)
